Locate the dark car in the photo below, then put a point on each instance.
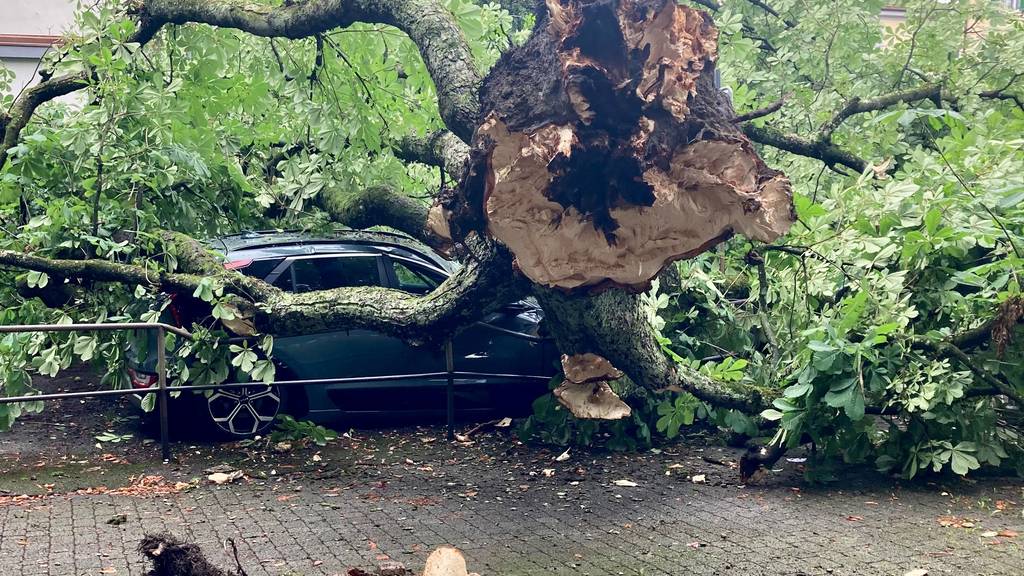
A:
(505, 347)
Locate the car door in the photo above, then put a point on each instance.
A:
(348, 353)
(504, 347)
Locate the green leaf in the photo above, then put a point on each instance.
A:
(819, 346)
(204, 291)
(85, 347)
(962, 462)
(932, 220)
(37, 279)
(854, 408)
(798, 390)
(841, 392)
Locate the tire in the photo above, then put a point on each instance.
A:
(244, 412)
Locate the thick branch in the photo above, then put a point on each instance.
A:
(613, 325)
(21, 112)
(441, 148)
(825, 151)
(859, 106)
(427, 22)
(481, 286)
(381, 206)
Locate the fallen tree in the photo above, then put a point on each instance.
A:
(602, 150)
(598, 153)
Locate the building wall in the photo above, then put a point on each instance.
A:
(27, 29)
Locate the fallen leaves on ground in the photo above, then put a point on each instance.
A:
(955, 522)
(142, 486)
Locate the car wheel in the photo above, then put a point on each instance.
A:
(243, 412)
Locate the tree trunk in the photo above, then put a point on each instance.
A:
(613, 325)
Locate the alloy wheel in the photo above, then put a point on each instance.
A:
(244, 411)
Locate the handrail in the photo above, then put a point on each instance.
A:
(163, 390)
(284, 383)
(95, 327)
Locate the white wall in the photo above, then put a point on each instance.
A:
(39, 18)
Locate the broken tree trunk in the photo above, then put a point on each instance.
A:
(606, 151)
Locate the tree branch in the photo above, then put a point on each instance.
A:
(825, 151)
(441, 148)
(427, 22)
(949, 350)
(764, 6)
(25, 106)
(481, 286)
(822, 147)
(598, 323)
(761, 112)
(381, 206)
(858, 106)
(1003, 95)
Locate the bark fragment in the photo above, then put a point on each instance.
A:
(1009, 314)
(586, 392)
(437, 225)
(606, 151)
(595, 400)
(588, 367)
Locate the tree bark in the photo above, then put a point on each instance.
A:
(482, 285)
(382, 206)
(613, 325)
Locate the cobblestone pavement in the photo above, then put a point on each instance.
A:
(514, 509)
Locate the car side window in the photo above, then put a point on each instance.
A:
(327, 273)
(284, 281)
(415, 279)
(258, 269)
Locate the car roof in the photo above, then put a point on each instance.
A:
(284, 243)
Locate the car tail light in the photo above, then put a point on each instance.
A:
(236, 264)
(141, 380)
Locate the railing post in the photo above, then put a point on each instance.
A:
(449, 360)
(161, 369)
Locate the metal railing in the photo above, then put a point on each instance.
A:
(163, 391)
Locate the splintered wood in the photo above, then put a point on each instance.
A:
(607, 151)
